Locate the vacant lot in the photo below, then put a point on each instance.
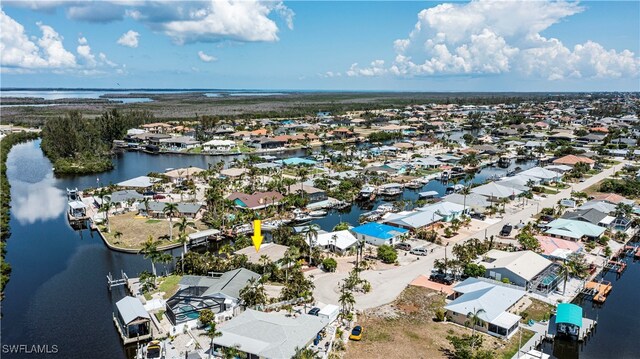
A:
(135, 230)
(406, 329)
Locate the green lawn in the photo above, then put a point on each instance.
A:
(168, 285)
(538, 310)
(151, 221)
(512, 347)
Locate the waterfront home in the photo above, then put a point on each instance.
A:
(378, 234)
(178, 175)
(494, 302)
(142, 182)
(413, 220)
(155, 209)
(258, 200)
(157, 127)
(125, 199)
(572, 160)
(269, 335)
(337, 241)
(591, 215)
(561, 169)
(233, 172)
(573, 229)
(312, 194)
(219, 145)
(219, 293)
(494, 191)
(275, 252)
(179, 143)
(558, 249)
(613, 199)
(542, 174)
(132, 320)
(266, 143)
(448, 211)
(473, 201)
(525, 269)
(297, 161)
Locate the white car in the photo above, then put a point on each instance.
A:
(419, 251)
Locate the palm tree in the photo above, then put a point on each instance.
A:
(165, 258)
(106, 206)
(264, 261)
(182, 226)
(212, 333)
(150, 251)
(474, 318)
(290, 256)
(347, 301)
(170, 209)
(311, 232)
(145, 201)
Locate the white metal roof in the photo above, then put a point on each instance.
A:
(131, 308)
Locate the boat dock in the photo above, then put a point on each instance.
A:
(617, 266)
(588, 325)
(597, 290)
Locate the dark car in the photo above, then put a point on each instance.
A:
(547, 218)
(403, 246)
(314, 311)
(441, 278)
(480, 216)
(159, 196)
(506, 230)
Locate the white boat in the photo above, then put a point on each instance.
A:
(367, 193)
(390, 189)
(384, 208)
(302, 217)
(318, 213)
(415, 184)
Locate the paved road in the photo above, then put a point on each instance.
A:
(388, 284)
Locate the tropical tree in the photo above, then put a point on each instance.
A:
(212, 333)
(170, 209)
(474, 318)
(182, 226)
(106, 207)
(253, 293)
(311, 233)
(150, 251)
(117, 235)
(346, 300)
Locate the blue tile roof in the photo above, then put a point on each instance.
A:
(379, 230)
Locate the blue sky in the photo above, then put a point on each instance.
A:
(481, 45)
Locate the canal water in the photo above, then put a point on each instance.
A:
(618, 319)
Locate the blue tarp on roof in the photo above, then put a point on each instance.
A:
(379, 230)
(569, 313)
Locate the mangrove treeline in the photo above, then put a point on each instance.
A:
(5, 200)
(79, 145)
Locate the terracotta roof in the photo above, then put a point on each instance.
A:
(610, 197)
(572, 160)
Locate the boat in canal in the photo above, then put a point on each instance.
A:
(390, 189)
(367, 193)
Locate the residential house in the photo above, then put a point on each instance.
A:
(473, 201)
(269, 335)
(155, 209)
(378, 234)
(494, 302)
(157, 127)
(265, 143)
(312, 194)
(219, 293)
(572, 160)
(558, 249)
(525, 269)
(219, 145)
(179, 175)
(258, 200)
(179, 143)
(573, 229)
(274, 252)
(337, 241)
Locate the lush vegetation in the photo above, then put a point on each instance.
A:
(77, 145)
(5, 199)
(378, 137)
(387, 254)
(628, 188)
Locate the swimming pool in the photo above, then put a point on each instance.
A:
(187, 311)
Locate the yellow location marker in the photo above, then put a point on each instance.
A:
(257, 234)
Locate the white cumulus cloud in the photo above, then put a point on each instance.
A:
(129, 39)
(20, 53)
(206, 58)
(496, 36)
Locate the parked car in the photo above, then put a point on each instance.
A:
(506, 230)
(356, 333)
(419, 251)
(159, 196)
(403, 246)
(441, 278)
(314, 311)
(547, 218)
(480, 216)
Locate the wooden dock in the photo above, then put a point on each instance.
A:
(598, 290)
